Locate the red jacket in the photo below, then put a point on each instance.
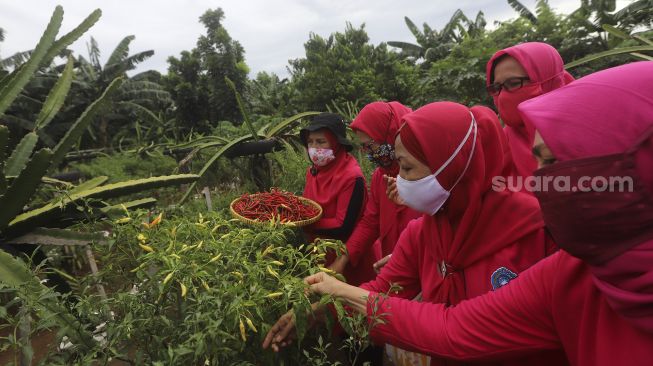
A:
(553, 305)
(381, 225)
(339, 188)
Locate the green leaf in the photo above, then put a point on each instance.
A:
(43, 214)
(89, 184)
(120, 52)
(241, 106)
(414, 30)
(4, 139)
(523, 11)
(287, 123)
(117, 211)
(78, 128)
(211, 161)
(615, 31)
(612, 52)
(11, 90)
(56, 97)
(16, 274)
(70, 37)
(642, 56)
(643, 40)
(20, 155)
(21, 189)
(408, 48)
(53, 236)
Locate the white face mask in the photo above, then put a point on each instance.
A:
(427, 195)
(321, 157)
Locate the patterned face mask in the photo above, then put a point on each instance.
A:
(383, 156)
(321, 157)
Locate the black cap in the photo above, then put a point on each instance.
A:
(332, 122)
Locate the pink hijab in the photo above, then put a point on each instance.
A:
(381, 121)
(541, 62)
(601, 114)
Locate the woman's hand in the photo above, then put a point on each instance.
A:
(339, 264)
(282, 333)
(322, 283)
(391, 190)
(382, 262)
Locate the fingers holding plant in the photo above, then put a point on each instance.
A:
(282, 333)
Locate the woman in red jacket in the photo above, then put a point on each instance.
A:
(594, 298)
(470, 239)
(376, 126)
(516, 74)
(336, 182)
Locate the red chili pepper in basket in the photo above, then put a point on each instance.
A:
(276, 204)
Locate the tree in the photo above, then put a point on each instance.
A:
(196, 80)
(269, 95)
(433, 45)
(91, 77)
(141, 89)
(345, 67)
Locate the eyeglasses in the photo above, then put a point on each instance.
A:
(510, 84)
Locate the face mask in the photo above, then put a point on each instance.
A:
(597, 226)
(427, 195)
(384, 156)
(321, 157)
(509, 100)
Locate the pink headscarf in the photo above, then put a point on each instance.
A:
(601, 114)
(380, 120)
(541, 62)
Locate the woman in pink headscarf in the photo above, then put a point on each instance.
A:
(516, 74)
(593, 298)
(376, 126)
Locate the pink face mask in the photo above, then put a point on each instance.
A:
(321, 157)
(509, 100)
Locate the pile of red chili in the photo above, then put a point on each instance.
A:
(276, 204)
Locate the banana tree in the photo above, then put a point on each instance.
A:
(638, 52)
(23, 170)
(432, 44)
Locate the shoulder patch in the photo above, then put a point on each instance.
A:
(501, 276)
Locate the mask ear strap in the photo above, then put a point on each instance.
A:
(472, 125)
(471, 154)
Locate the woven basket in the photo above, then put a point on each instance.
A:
(289, 224)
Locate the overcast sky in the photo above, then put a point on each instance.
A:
(271, 31)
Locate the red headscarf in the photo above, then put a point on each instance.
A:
(541, 62)
(381, 121)
(476, 221)
(601, 114)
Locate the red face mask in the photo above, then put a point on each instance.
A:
(507, 102)
(597, 226)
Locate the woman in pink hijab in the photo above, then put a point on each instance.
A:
(377, 233)
(593, 298)
(516, 74)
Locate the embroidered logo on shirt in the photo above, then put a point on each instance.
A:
(501, 277)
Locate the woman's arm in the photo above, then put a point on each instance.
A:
(349, 207)
(512, 321)
(516, 319)
(367, 230)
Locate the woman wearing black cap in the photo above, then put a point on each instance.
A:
(336, 182)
